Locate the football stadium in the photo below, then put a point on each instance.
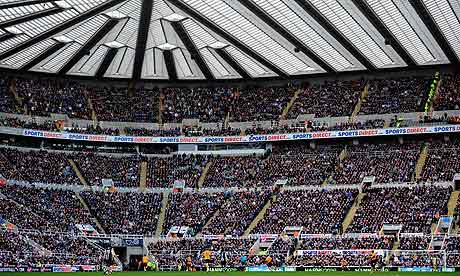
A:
(316, 137)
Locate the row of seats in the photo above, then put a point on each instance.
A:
(331, 98)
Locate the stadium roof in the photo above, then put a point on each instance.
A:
(225, 39)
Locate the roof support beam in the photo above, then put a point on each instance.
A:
(53, 49)
(61, 27)
(85, 50)
(142, 34)
(6, 36)
(313, 12)
(282, 31)
(380, 26)
(109, 56)
(29, 17)
(22, 3)
(170, 64)
(230, 38)
(193, 50)
(232, 62)
(434, 30)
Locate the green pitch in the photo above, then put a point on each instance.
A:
(353, 273)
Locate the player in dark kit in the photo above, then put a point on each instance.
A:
(373, 260)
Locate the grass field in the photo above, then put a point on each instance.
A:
(390, 273)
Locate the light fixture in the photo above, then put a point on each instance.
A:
(166, 46)
(174, 17)
(63, 39)
(114, 44)
(218, 45)
(115, 15)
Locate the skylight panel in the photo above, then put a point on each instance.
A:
(63, 39)
(254, 68)
(12, 13)
(337, 15)
(198, 34)
(13, 30)
(447, 21)
(402, 30)
(23, 57)
(217, 68)
(297, 26)
(244, 30)
(182, 65)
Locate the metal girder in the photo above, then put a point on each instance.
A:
(22, 3)
(29, 17)
(53, 49)
(232, 62)
(170, 65)
(103, 31)
(142, 34)
(61, 27)
(6, 36)
(434, 30)
(230, 38)
(193, 50)
(109, 56)
(389, 37)
(287, 35)
(313, 12)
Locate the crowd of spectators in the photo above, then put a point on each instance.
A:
(123, 170)
(448, 96)
(191, 210)
(441, 163)
(61, 243)
(260, 104)
(394, 96)
(414, 242)
(59, 208)
(17, 123)
(119, 104)
(43, 97)
(415, 208)
(6, 98)
(235, 215)
(95, 130)
(164, 171)
(298, 166)
(387, 162)
(174, 132)
(11, 241)
(37, 166)
(319, 211)
(330, 99)
(22, 217)
(125, 213)
(205, 104)
(330, 259)
(346, 243)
